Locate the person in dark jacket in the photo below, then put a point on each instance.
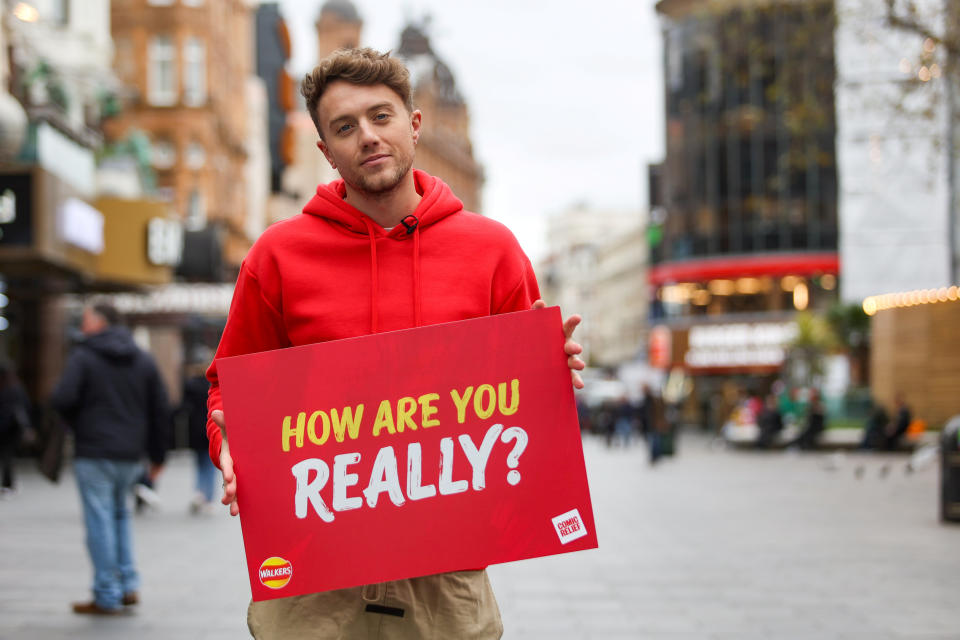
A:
(14, 412)
(112, 397)
(815, 425)
(770, 423)
(193, 408)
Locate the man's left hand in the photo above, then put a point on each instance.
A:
(571, 348)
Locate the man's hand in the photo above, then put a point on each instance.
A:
(154, 472)
(571, 348)
(226, 466)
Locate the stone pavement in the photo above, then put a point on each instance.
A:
(714, 544)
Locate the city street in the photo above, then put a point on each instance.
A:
(713, 544)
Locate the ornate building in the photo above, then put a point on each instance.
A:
(186, 66)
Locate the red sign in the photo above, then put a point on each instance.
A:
(407, 453)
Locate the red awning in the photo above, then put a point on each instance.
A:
(778, 264)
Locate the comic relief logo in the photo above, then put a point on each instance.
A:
(275, 572)
(569, 526)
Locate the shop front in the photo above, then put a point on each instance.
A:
(725, 363)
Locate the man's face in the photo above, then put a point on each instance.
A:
(369, 136)
(91, 322)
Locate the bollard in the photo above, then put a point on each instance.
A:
(950, 471)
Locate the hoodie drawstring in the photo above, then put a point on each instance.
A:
(375, 273)
(374, 278)
(417, 293)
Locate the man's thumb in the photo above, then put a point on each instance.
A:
(217, 416)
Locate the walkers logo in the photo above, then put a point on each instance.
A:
(569, 526)
(275, 572)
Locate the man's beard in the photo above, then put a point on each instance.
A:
(379, 185)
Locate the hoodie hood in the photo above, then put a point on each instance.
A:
(114, 343)
(437, 202)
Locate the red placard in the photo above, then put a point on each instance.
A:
(407, 453)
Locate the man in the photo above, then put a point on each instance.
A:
(112, 397)
(384, 248)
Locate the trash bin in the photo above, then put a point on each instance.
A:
(950, 471)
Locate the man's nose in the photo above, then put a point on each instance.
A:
(368, 134)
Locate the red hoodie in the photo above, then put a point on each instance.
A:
(333, 273)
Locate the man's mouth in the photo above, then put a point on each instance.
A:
(374, 160)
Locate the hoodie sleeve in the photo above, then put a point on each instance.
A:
(519, 292)
(254, 324)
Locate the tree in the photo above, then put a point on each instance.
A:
(938, 58)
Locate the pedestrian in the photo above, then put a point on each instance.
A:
(112, 397)
(895, 430)
(658, 425)
(769, 423)
(14, 421)
(385, 247)
(193, 411)
(814, 426)
(624, 421)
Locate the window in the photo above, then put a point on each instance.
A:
(196, 212)
(60, 12)
(163, 154)
(162, 78)
(196, 156)
(195, 72)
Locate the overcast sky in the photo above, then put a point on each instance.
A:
(565, 97)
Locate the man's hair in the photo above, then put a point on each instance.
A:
(357, 66)
(106, 311)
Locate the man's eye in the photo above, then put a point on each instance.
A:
(381, 116)
(344, 128)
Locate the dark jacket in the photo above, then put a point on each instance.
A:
(194, 408)
(112, 396)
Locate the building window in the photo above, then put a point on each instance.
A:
(124, 61)
(195, 72)
(162, 89)
(60, 12)
(196, 156)
(196, 212)
(163, 154)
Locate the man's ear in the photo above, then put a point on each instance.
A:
(326, 153)
(415, 122)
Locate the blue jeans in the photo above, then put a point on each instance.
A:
(105, 487)
(206, 475)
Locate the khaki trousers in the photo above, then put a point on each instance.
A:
(446, 606)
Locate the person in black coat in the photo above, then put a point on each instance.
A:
(814, 426)
(112, 397)
(769, 422)
(193, 410)
(14, 419)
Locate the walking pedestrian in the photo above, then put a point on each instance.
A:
(385, 247)
(14, 421)
(193, 409)
(112, 396)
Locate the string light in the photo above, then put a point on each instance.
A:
(874, 304)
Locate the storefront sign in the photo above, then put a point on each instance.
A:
(406, 453)
(761, 344)
(164, 241)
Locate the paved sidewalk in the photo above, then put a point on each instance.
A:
(715, 544)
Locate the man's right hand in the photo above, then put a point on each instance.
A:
(226, 466)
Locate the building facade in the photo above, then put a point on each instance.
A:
(185, 66)
(748, 233)
(893, 152)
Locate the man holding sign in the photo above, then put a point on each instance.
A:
(384, 248)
